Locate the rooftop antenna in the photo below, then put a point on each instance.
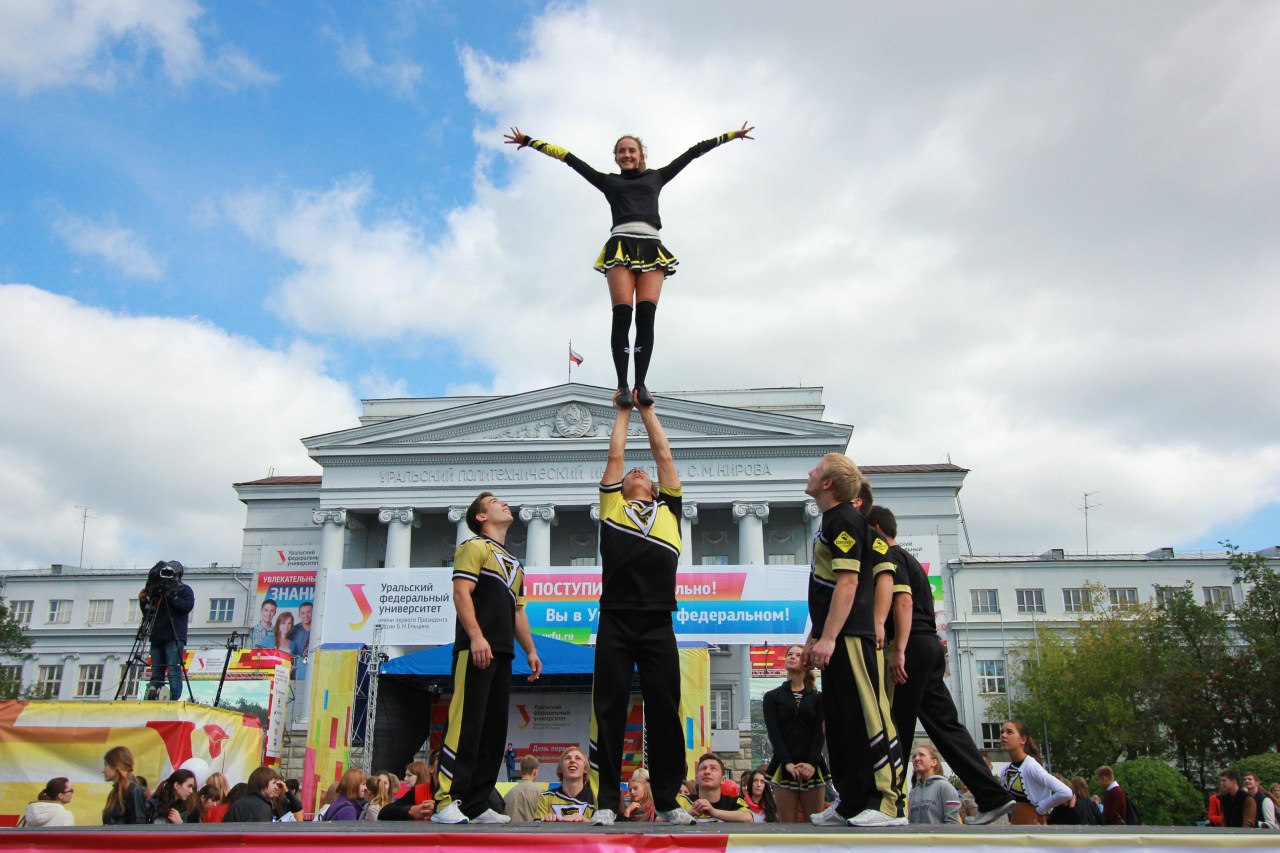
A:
(1085, 508)
(84, 521)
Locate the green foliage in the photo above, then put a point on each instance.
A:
(1162, 795)
(1267, 766)
(13, 638)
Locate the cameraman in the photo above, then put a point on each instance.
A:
(171, 600)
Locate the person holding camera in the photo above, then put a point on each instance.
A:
(170, 600)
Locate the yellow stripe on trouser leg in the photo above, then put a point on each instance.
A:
(878, 721)
(453, 728)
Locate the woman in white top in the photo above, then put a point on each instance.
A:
(50, 807)
(1034, 790)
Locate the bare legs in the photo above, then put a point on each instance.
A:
(796, 806)
(628, 288)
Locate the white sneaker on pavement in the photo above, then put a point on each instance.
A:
(676, 815)
(827, 817)
(490, 816)
(875, 817)
(451, 813)
(603, 817)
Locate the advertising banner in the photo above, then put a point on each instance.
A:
(41, 740)
(257, 683)
(717, 604)
(285, 623)
(925, 549)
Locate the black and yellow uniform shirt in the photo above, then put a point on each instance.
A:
(1011, 779)
(639, 549)
(633, 195)
(499, 590)
(909, 577)
(557, 802)
(844, 543)
(726, 803)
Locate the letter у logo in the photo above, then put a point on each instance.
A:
(366, 610)
(524, 715)
(283, 558)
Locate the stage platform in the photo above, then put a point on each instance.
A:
(647, 838)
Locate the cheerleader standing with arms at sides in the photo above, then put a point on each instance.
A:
(793, 719)
(1034, 790)
(634, 260)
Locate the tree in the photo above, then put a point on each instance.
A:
(1253, 694)
(1162, 795)
(13, 638)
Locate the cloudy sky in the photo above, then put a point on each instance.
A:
(1038, 239)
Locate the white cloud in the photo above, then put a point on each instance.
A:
(400, 76)
(94, 43)
(148, 420)
(990, 232)
(118, 247)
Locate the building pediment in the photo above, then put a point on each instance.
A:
(566, 417)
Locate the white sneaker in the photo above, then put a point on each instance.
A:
(489, 816)
(875, 817)
(991, 816)
(827, 817)
(676, 815)
(603, 817)
(451, 813)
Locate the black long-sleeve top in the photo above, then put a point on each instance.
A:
(632, 195)
(795, 728)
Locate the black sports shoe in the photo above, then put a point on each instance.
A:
(643, 397)
(624, 397)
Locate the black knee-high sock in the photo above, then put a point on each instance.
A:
(619, 341)
(645, 311)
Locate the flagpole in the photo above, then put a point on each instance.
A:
(571, 361)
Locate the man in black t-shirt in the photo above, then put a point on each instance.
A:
(639, 550)
(488, 595)
(849, 564)
(917, 670)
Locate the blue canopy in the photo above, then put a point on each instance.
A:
(558, 658)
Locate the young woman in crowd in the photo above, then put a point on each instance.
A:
(380, 790)
(330, 794)
(1035, 792)
(210, 808)
(127, 802)
(175, 799)
(351, 795)
(933, 799)
(50, 806)
(758, 796)
(633, 260)
(640, 807)
(793, 719)
(416, 802)
(711, 803)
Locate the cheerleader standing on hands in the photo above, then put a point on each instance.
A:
(633, 260)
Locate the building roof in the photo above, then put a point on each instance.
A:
(297, 480)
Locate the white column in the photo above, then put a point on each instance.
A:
(400, 523)
(750, 517)
(333, 539)
(594, 512)
(688, 518)
(538, 518)
(458, 515)
(814, 516)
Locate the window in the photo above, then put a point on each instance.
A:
(781, 559)
(90, 684)
(990, 676)
(99, 611)
(21, 612)
(584, 561)
(132, 678)
(715, 560)
(721, 708)
(59, 611)
(1163, 594)
(991, 735)
(49, 681)
(11, 676)
(222, 609)
(1030, 600)
(1076, 600)
(1218, 598)
(985, 600)
(1124, 598)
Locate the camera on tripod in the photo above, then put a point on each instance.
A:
(164, 577)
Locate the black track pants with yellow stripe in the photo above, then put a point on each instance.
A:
(475, 733)
(866, 758)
